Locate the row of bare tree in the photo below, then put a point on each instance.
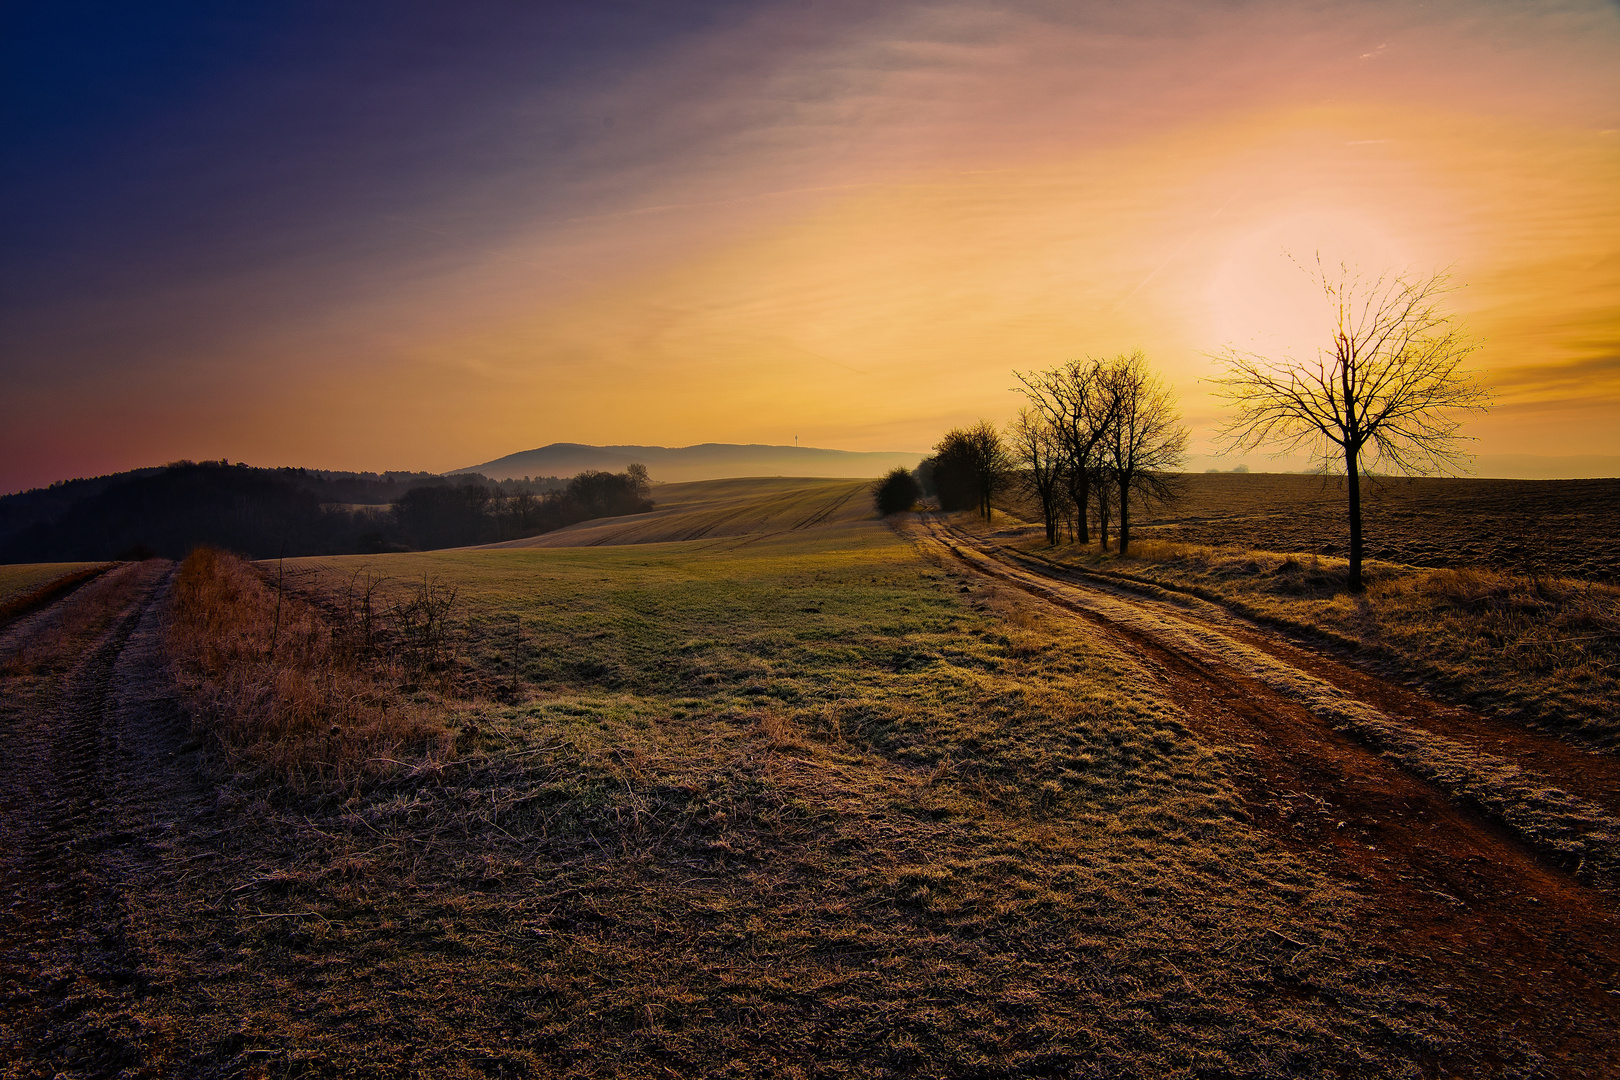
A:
(1390, 389)
(1097, 431)
(1096, 436)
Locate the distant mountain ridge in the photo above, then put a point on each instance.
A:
(705, 461)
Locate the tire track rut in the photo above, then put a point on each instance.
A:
(1528, 956)
(93, 777)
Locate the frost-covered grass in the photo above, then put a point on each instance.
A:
(1543, 650)
(787, 805)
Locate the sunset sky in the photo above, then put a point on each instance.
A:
(420, 236)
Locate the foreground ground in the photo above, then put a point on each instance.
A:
(812, 798)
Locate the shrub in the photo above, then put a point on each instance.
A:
(896, 492)
(282, 692)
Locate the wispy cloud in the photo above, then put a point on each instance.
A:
(426, 222)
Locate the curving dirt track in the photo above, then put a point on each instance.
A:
(1526, 953)
(103, 812)
(92, 734)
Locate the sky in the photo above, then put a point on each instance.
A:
(421, 236)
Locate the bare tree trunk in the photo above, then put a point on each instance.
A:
(1102, 516)
(1081, 490)
(1124, 516)
(1353, 478)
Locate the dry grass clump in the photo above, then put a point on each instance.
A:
(284, 691)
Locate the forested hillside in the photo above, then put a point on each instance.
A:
(266, 513)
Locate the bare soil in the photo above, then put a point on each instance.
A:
(1512, 941)
(1569, 528)
(91, 787)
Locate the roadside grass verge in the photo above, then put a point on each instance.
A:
(17, 579)
(92, 608)
(1540, 650)
(790, 807)
(26, 586)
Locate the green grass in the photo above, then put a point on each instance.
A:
(794, 805)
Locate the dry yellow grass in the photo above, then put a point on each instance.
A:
(285, 693)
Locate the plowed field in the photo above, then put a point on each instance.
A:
(1563, 527)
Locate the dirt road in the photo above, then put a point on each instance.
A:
(1395, 793)
(126, 949)
(92, 780)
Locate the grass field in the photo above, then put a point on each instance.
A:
(716, 509)
(794, 804)
(20, 579)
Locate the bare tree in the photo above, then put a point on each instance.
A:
(1038, 446)
(640, 481)
(1387, 392)
(970, 466)
(1102, 489)
(1077, 401)
(1146, 440)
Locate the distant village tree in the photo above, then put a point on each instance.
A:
(1388, 391)
(1146, 442)
(970, 466)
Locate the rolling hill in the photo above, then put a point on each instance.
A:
(712, 509)
(706, 461)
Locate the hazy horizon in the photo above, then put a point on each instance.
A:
(1501, 467)
(408, 237)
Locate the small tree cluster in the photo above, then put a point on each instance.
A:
(454, 515)
(1097, 434)
(897, 492)
(969, 466)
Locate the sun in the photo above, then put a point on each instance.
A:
(1263, 295)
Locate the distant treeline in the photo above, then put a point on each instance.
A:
(264, 513)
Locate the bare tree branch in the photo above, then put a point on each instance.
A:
(1387, 393)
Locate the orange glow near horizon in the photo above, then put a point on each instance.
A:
(868, 266)
(921, 298)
